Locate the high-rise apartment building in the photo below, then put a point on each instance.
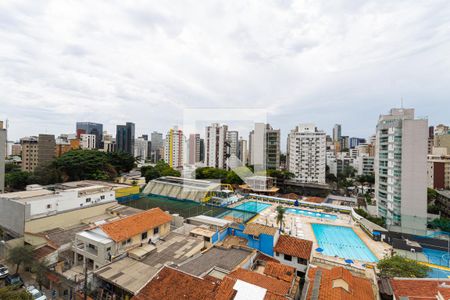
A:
(243, 151)
(88, 141)
(3, 138)
(401, 170)
(194, 148)
(264, 147)
(91, 128)
(125, 138)
(306, 153)
(216, 146)
(233, 141)
(141, 146)
(337, 133)
(174, 148)
(37, 151)
(109, 143)
(438, 169)
(157, 146)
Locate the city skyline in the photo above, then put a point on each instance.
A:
(307, 65)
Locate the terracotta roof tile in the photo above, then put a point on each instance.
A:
(128, 227)
(43, 251)
(173, 284)
(226, 291)
(358, 288)
(419, 288)
(257, 229)
(294, 246)
(279, 271)
(273, 285)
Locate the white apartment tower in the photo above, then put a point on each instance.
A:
(216, 146)
(243, 151)
(264, 147)
(141, 149)
(306, 152)
(194, 148)
(401, 170)
(233, 140)
(87, 141)
(174, 148)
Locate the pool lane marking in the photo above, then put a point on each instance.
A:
(434, 266)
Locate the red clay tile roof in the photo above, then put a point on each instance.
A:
(226, 291)
(43, 252)
(279, 271)
(128, 227)
(273, 285)
(359, 288)
(174, 284)
(294, 246)
(417, 288)
(272, 296)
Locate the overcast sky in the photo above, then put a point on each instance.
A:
(315, 61)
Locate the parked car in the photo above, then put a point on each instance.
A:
(35, 293)
(3, 271)
(14, 279)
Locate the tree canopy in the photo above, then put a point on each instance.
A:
(398, 266)
(21, 255)
(10, 293)
(160, 169)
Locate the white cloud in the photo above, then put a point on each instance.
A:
(321, 61)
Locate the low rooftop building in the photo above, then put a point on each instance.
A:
(337, 283)
(416, 288)
(294, 252)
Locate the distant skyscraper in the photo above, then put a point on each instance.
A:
(2, 156)
(337, 133)
(141, 148)
(125, 138)
(157, 146)
(306, 153)
(264, 147)
(174, 148)
(216, 146)
(243, 151)
(91, 128)
(194, 148)
(401, 171)
(233, 140)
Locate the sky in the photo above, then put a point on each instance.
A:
(312, 61)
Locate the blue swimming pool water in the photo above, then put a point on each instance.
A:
(342, 242)
(438, 273)
(437, 257)
(310, 213)
(253, 206)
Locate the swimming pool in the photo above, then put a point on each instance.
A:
(253, 206)
(310, 213)
(437, 257)
(342, 242)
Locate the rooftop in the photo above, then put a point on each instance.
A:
(273, 285)
(419, 288)
(294, 246)
(174, 284)
(135, 224)
(210, 220)
(224, 258)
(336, 284)
(258, 229)
(194, 184)
(279, 271)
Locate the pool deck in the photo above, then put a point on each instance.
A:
(300, 226)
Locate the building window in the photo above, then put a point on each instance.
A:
(88, 200)
(144, 235)
(288, 257)
(102, 197)
(156, 230)
(49, 206)
(124, 243)
(91, 246)
(301, 261)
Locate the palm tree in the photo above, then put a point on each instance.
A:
(280, 216)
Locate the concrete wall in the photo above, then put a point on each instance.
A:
(12, 217)
(66, 219)
(2, 158)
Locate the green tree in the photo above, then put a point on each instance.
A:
(121, 161)
(160, 169)
(39, 268)
(441, 223)
(17, 180)
(10, 167)
(21, 255)
(280, 216)
(398, 266)
(10, 293)
(431, 194)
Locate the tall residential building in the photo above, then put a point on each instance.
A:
(157, 146)
(243, 151)
(194, 148)
(401, 170)
(125, 138)
(233, 141)
(439, 169)
(442, 141)
(174, 148)
(202, 150)
(355, 142)
(430, 139)
(91, 128)
(88, 141)
(216, 146)
(109, 143)
(37, 151)
(306, 152)
(141, 146)
(2, 156)
(337, 133)
(264, 147)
